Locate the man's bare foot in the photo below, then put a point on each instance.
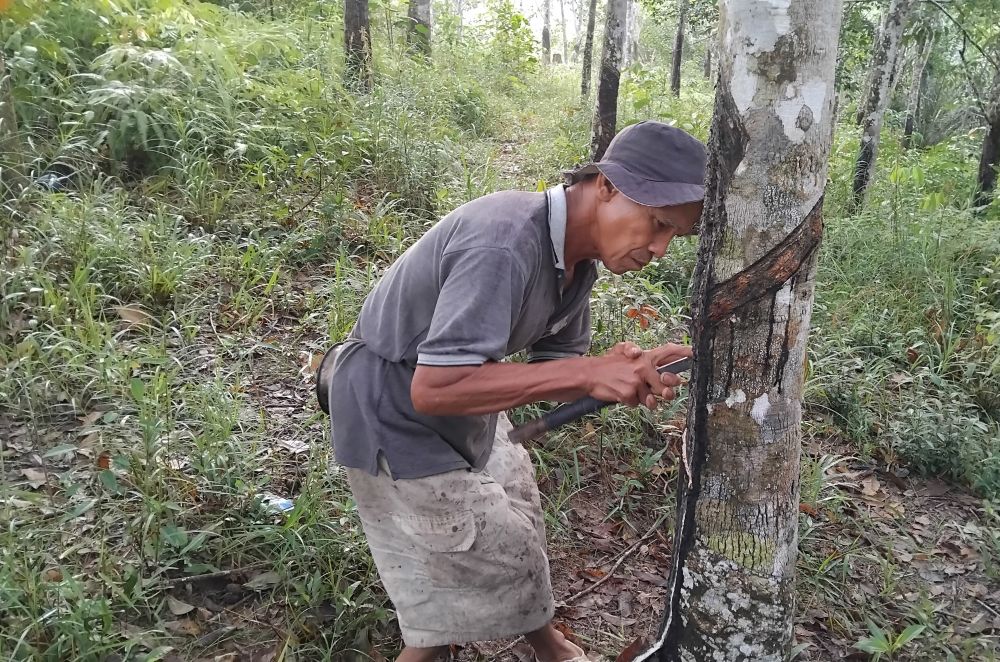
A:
(551, 646)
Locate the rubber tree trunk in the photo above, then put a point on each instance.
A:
(418, 35)
(989, 159)
(12, 179)
(588, 51)
(925, 46)
(546, 36)
(630, 50)
(675, 67)
(731, 587)
(562, 22)
(606, 112)
(884, 64)
(706, 65)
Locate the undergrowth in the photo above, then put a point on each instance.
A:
(218, 206)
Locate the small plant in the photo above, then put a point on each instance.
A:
(882, 642)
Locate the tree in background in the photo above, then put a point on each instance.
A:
(989, 157)
(924, 46)
(731, 585)
(883, 69)
(562, 21)
(11, 149)
(357, 45)
(418, 34)
(588, 51)
(675, 66)
(546, 36)
(606, 112)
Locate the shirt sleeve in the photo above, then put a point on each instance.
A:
(482, 292)
(573, 339)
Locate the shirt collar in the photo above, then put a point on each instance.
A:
(557, 224)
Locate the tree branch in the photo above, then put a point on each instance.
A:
(965, 34)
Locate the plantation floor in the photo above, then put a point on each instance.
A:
(896, 549)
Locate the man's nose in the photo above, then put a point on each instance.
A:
(659, 246)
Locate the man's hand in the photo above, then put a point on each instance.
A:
(627, 374)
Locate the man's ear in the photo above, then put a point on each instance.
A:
(605, 189)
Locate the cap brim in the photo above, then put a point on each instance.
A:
(640, 190)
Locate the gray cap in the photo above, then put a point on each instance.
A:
(653, 164)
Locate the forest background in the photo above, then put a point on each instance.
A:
(197, 200)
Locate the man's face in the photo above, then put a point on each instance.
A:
(630, 235)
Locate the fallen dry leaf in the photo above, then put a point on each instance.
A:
(263, 581)
(36, 477)
(178, 607)
(632, 650)
(617, 621)
(135, 315)
(870, 486)
(183, 627)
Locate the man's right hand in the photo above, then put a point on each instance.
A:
(627, 374)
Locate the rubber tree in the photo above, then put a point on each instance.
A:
(547, 35)
(418, 33)
(925, 45)
(12, 179)
(357, 45)
(731, 588)
(884, 65)
(562, 23)
(606, 111)
(989, 158)
(675, 65)
(588, 51)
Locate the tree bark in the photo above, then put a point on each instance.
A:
(606, 112)
(12, 179)
(588, 51)
(546, 37)
(706, 66)
(357, 45)
(418, 36)
(630, 52)
(460, 12)
(562, 21)
(731, 587)
(989, 158)
(916, 84)
(675, 68)
(884, 63)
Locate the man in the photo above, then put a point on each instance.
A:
(449, 506)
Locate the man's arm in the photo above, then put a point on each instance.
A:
(625, 374)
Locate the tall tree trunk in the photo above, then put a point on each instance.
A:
(706, 66)
(588, 51)
(546, 37)
(12, 179)
(731, 587)
(630, 52)
(884, 65)
(418, 36)
(675, 68)
(562, 20)
(357, 45)
(606, 112)
(460, 12)
(989, 159)
(916, 84)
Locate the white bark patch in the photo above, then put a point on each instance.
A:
(760, 408)
(801, 100)
(735, 398)
(768, 21)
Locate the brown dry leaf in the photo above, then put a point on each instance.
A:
(567, 632)
(632, 650)
(870, 486)
(593, 573)
(135, 315)
(617, 621)
(53, 575)
(178, 607)
(36, 477)
(104, 460)
(91, 418)
(523, 652)
(650, 578)
(184, 626)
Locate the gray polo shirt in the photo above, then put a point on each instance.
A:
(482, 284)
